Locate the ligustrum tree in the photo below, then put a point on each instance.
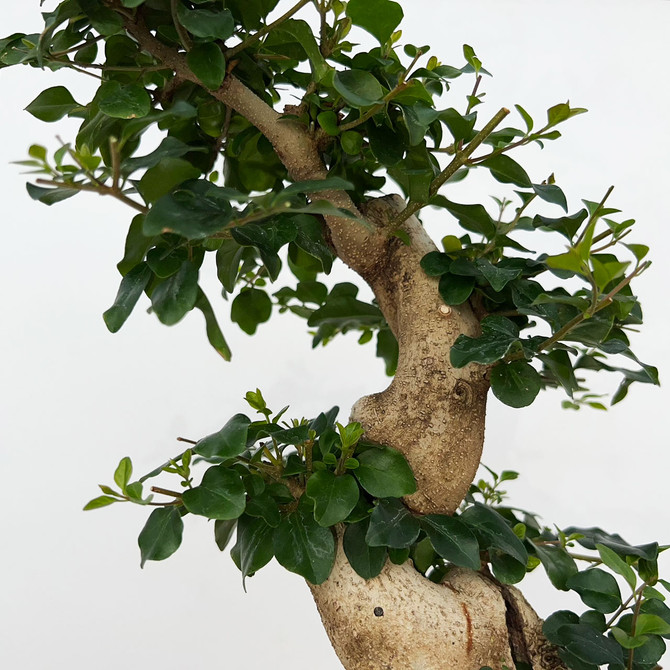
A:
(276, 138)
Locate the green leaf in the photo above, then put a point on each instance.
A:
(560, 566)
(592, 536)
(228, 442)
(565, 225)
(358, 87)
(223, 532)
(196, 210)
(124, 101)
(452, 540)
(161, 535)
(158, 181)
(435, 263)
(651, 624)
(455, 289)
(367, 561)
(386, 145)
(304, 547)
(378, 17)
(52, 104)
(208, 64)
(588, 644)
(207, 24)
(493, 530)
(498, 335)
(505, 568)
(334, 496)
(254, 545)
(474, 218)
(220, 495)
(626, 641)
(384, 473)
(305, 37)
(515, 384)
(130, 290)
(392, 525)
(123, 473)
(554, 622)
(214, 334)
(597, 589)
(175, 296)
(50, 196)
(100, 501)
(265, 507)
(551, 193)
(506, 170)
(615, 563)
(498, 276)
(251, 308)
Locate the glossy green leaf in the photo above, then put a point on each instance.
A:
(52, 104)
(507, 170)
(499, 275)
(158, 182)
(386, 145)
(265, 507)
(302, 546)
(455, 289)
(161, 535)
(130, 290)
(228, 442)
(435, 263)
(493, 530)
(223, 532)
(334, 496)
(208, 64)
(378, 17)
(220, 494)
(302, 32)
(551, 193)
(250, 308)
(566, 225)
(560, 566)
(175, 296)
(254, 545)
(498, 335)
(358, 87)
(615, 563)
(384, 472)
(597, 588)
(124, 101)
(196, 210)
(505, 568)
(590, 645)
(515, 384)
(474, 218)
(452, 540)
(367, 561)
(392, 525)
(207, 24)
(592, 536)
(213, 330)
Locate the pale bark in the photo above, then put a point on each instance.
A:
(431, 412)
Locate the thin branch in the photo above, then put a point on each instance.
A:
(265, 30)
(101, 190)
(459, 160)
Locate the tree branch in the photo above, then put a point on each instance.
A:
(292, 142)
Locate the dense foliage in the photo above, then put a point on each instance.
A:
(215, 185)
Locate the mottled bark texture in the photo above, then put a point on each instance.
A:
(431, 412)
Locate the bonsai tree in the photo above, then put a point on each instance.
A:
(277, 138)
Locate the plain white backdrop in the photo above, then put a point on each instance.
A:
(75, 398)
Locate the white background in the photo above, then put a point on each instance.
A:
(75, 398)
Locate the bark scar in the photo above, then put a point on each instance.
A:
(468, 627)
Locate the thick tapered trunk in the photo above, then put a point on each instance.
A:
(402, 621)
(431, 412)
